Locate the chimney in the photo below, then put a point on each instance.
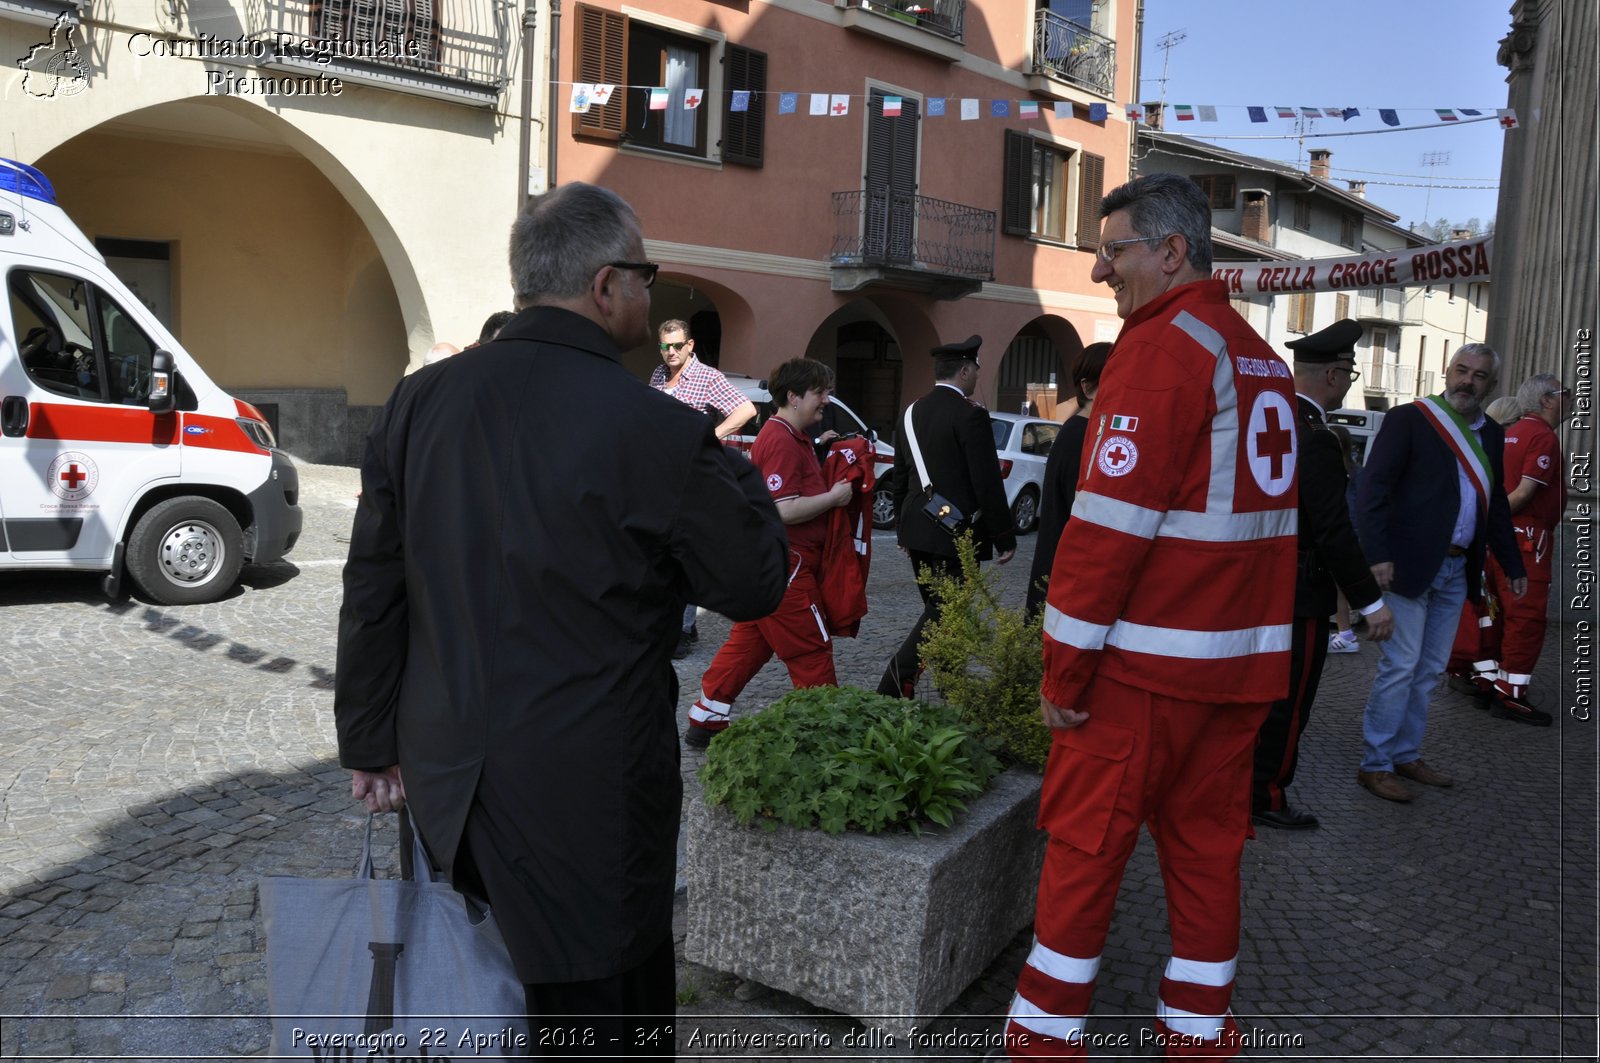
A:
(1152, 114)
(1319, 162)
(1358, 188)
(1255, 225)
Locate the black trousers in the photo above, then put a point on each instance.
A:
(900, 677)
(628, 1014)
(1278, 745)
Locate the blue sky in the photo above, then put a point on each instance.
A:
(1414, 55)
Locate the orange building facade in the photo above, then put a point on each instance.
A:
(860, 236)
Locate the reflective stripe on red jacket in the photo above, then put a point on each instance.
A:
(1177, 569)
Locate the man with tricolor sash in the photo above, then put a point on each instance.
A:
(1431, 503)
(1167, 630)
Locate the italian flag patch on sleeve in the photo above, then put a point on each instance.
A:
(1120, 423)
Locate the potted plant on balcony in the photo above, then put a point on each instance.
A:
(866, 853)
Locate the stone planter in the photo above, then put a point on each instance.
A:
(865, 925)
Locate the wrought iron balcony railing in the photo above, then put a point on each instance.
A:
(463, 42)
(877, 227)
(1068, 51)
(944, 17)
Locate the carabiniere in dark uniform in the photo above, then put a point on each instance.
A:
(1330, 559)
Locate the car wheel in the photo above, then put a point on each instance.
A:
(185, 551)
(883, 504)
(1025, 511)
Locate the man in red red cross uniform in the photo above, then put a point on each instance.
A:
(1167, 629)
(798, 631)
(1536, 489)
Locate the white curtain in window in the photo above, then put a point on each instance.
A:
(683, 72)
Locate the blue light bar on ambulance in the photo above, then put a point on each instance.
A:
(25, 180)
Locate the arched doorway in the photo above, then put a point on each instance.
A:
(300, 316)
(1034, 370)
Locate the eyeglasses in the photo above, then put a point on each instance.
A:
(1355, 374)
(647, 268)
(665, 347)
(1108, 248)
(1559, 391)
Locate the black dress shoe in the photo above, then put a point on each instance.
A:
(1286, 818)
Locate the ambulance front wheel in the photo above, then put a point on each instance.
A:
(185, 551)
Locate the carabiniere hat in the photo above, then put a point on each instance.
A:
(1336, 341)
(966, 349)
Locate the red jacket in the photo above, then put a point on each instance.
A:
(1177, 572)
(847, 557)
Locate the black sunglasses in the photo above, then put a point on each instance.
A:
(647, 268)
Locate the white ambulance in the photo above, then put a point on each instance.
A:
(117, 453)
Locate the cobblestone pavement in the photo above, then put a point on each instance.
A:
(157, 761)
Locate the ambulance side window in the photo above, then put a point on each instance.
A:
(128, 352)
(51, 316)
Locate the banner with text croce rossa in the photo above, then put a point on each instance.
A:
(1454, 263)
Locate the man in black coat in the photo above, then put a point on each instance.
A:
(517, 570)
(1329, 558)
(960, 464)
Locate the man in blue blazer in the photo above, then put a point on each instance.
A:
(1431, 501)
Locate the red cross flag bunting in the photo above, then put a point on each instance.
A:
(839, 106)
(691, 99)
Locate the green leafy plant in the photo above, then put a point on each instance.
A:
(842, 758)
(987, 660)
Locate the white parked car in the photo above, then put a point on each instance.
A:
(842, 419)
(1023, 444)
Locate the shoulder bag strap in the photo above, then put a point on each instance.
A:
(916, 451)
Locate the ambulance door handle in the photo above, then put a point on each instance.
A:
(14, 416)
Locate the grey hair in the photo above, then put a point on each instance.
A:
(1530, 396)
(564, 237)
(1161, 204)
(1478, 350)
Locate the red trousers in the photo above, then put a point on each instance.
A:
(1183, 769)
(1524, 623)
(797, 631)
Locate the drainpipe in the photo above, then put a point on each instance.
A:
(530, 19)
(555, 81)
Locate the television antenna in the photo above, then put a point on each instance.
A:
(1166, 44)
(1432, 159)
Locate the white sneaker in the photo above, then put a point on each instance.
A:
(1339, 644)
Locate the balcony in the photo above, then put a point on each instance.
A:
(932, 26)
(1386, 305)
(453, 50)
(1064, 51)
(916, 243)
(1389, 378)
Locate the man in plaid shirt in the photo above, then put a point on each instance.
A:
(693, 383)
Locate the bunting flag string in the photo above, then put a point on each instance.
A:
(585, 97)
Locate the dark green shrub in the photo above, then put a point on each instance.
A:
(842, 758)
(988, 660)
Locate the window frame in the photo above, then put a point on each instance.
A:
(602, 45)
(1300, 212)
(1213, 185)
(1082, 186)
